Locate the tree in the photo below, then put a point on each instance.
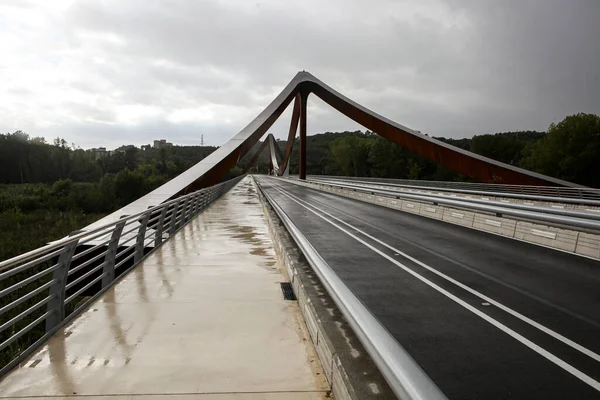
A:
(351, 154)
(569, 151)
(387, 159)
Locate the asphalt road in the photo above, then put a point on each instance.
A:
(486, 317)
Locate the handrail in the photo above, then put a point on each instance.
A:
(493, 209)
(556, 193)
(405, 377)
(68, 268)
(518, 206)
(70, 239)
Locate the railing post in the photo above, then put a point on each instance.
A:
(111, 254)
(192, 206)
(159, 227)
(203, 197)
(141, 236)
(184, 213)
(196, 203)
(56, 306)
(173, 221)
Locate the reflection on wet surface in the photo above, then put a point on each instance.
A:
(202, 314)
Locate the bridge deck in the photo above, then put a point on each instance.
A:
(201, 318)
(486, 317)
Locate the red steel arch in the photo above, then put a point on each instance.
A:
(210, 170)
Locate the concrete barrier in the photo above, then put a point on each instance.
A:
(577, 242)
(466, 196)
(347, 366)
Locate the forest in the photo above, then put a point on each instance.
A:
(48, 190)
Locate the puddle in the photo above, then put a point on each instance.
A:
(247, 235)
(259, 251)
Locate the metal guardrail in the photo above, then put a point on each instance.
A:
(561, 220)
(489, 188)
(406, 379)
(528, 197)
(434, 197)
(46, 284)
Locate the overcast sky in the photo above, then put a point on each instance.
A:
(113, 72)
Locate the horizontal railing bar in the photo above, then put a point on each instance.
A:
(88, 251)
(88, 262)
(517, 206)
(149, 235)
(464, 204)
(26, 281)
(130, 248)
(23, 331)
(154, 219)
(105, 232)
(83, 289)
(29, 264)
(26, 297)
(136, 228)
(121, 244)
(481, 190)
(473, 184)
(123, 261)
(85, 236)
(25, 313)
(82, 277)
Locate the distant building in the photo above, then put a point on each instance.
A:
(146, 147)
(161, 144)
(99, 152)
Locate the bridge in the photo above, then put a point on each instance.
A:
(310, 287)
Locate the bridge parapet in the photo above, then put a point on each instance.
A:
(46, 287)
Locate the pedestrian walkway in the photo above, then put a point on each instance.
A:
(202, 317)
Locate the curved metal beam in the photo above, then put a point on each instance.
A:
(211, 169)
(470, 164)
(291, 134)
(256, 155)
(275, 155)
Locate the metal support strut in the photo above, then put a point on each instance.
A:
(302, 166)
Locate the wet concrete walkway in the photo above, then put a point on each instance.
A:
(201, 318)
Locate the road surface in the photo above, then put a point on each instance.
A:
(483, 315)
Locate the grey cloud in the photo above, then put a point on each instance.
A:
(456, 68)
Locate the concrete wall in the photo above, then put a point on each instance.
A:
(461, 196)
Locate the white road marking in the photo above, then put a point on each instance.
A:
(514, 313)
(546, 234)
(492, 222)
(546, 354)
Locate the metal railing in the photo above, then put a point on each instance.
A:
(562, 218)
(43, 288)
(435, 197)
(405, 377)
(546, 191)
